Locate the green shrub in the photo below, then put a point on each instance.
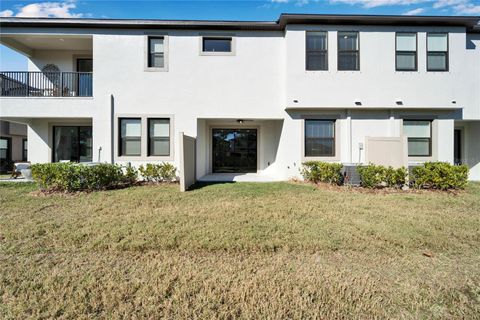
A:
(131, 173)
(72, 177)
(376, 176)
(439, 175)
(163, 172)
(318, 171)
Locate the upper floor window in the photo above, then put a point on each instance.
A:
(348, 51)
(319, 138)
(406, 51)
(217, 44)
(130, 136)
(437, 52)
(419, 134)
(156, 52)
(316, 51)
(158, 137)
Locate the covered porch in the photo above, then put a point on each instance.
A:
(59, 139)
(237, 149)
(58, 65)
(467, 146)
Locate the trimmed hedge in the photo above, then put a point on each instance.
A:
(71, 177)
(376, 176)
(164, 172)
(439, 175)
(318, 171)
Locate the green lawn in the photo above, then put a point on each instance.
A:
(276, 250)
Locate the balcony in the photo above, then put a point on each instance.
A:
(59, 64)
(45, 84)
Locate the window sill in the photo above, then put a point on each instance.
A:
(420, 159)
(326, 159)
(144, 158)
(153, 69)
(208, 53)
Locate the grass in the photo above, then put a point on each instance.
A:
(277, 250)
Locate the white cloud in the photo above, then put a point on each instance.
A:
(414, 12)
(6, 13)
(467, 8)
(459, 6)
(300, 3)
(379, 3)
(446, 3)
(279, 1)
(45, 10)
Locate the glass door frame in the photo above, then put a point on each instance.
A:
(233, 127)
(78, 135)
(8, 160)
(458, 135)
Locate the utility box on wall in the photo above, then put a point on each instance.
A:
(387, 151)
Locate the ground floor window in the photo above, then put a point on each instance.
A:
(72, 143)
(319, 138)
(419, 134)
(130, 136)
(158, 137)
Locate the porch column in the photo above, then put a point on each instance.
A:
(444, 134)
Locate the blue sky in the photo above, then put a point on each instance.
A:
(219, 9)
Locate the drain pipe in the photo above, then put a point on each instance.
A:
(112, 127)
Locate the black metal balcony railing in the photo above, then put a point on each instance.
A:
(45, 84)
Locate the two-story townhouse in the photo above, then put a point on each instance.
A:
(257, 97)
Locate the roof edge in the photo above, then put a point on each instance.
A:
(472, 23)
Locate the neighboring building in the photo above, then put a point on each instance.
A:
(13, 144)
(256, 96)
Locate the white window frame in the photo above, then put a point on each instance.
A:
(326, 51)
(323, 116)
(233, 44)
(147, 52)
(144, 137)
(434, 136)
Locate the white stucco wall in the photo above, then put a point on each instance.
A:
(262, 78)
(377, 84)
(65, 60)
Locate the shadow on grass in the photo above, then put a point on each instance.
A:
(203, 184)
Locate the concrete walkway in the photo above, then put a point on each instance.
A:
(238, 177)
(18, 180)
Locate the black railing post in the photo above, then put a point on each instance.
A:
(27, 92)
(61, 84)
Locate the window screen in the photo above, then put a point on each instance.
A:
(406, 54)
(419, 134)
(348, 51)
(156, 49)
(316, 51)
(158, 137)
(437, 52)
(130, 136)
(319, 138)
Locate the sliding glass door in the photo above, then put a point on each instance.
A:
(72, 143)
(5, 154)
(234, 150)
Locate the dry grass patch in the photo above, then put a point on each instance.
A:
(279, 250)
